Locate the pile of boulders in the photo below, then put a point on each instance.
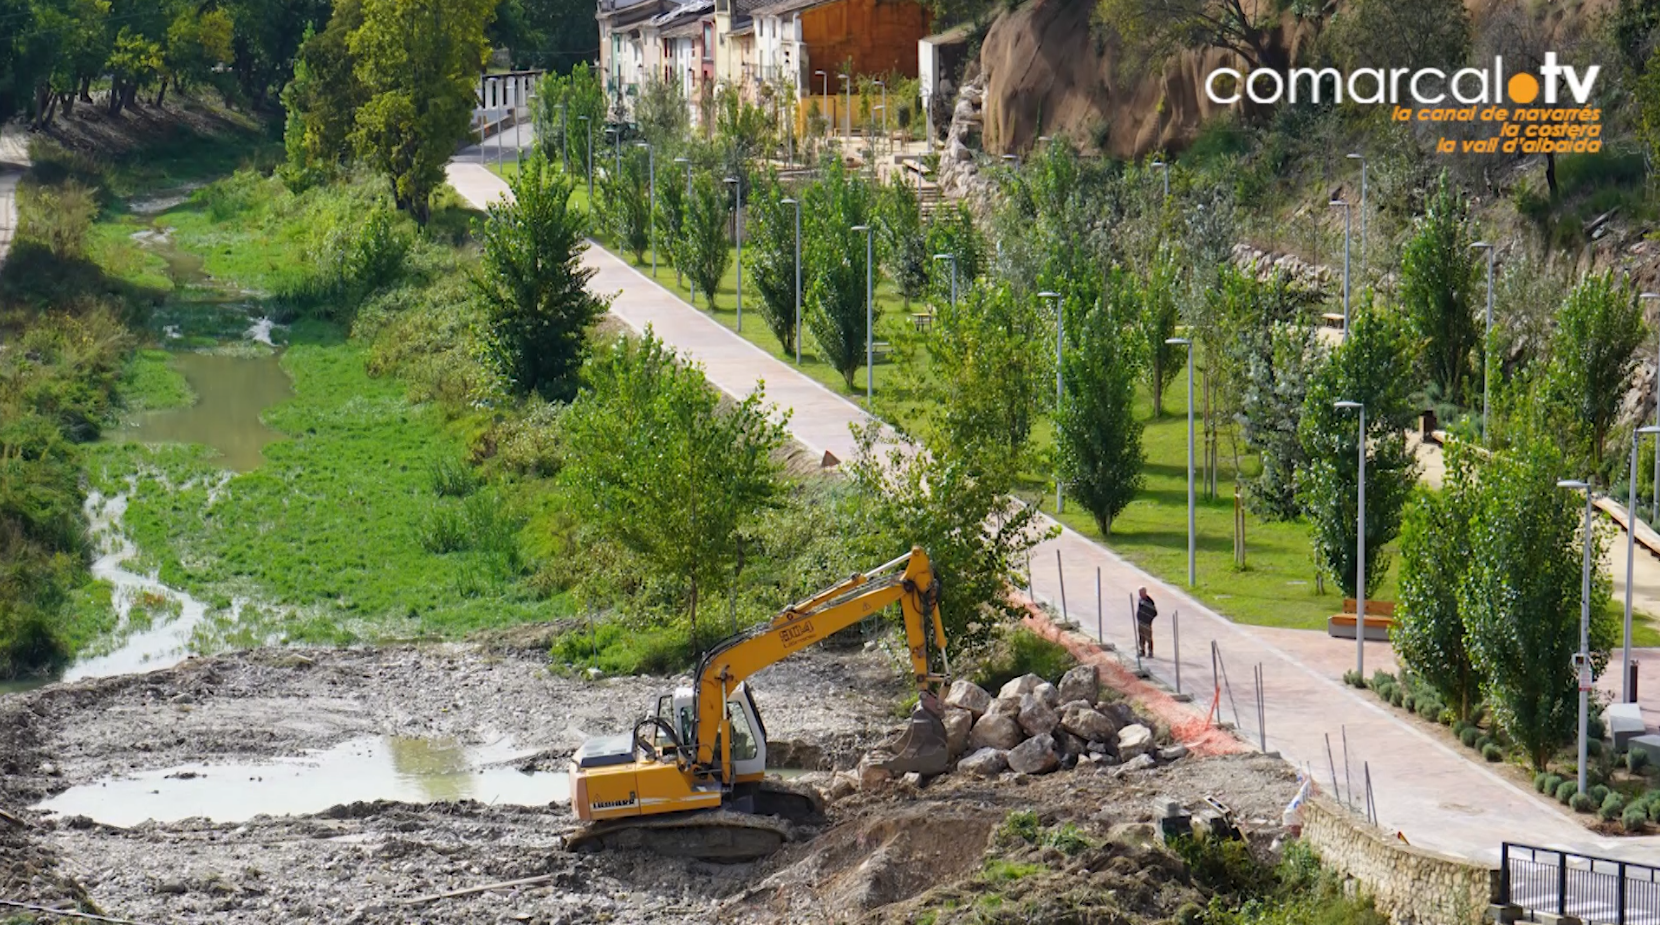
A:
(1034, 727)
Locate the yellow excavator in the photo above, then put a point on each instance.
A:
(690, 780)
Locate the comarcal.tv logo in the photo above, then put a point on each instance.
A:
(1548, 112)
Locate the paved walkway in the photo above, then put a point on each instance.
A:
(8, 209)
(1423, 785)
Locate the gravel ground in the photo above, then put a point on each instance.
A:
(365, 862)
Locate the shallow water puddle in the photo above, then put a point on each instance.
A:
(231, 392)
(411, 770)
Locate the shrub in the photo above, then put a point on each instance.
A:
(451, 478)
(1613, 806)
(1381, 679)
(618, 649)
(1020, 652)
(1353, 678)
(1482, 742)
(1447, 716)
(1409, 703)
(1598, 792)
(57, 217)
(1021, 824)
(442, 530)
(1492, 752)
(1469, 736)
(1565, 790)
(1593, 748)
(1067, 839)
(1636, 760)
(1396, 696)
(1634, 818)
(1582, 803)
(1430, 709)
(1539, 781)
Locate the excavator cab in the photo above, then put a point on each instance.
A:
(677, 711)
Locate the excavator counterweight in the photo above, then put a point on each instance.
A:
(690, 779)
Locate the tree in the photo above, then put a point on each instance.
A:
(1429, 633)
(533, 286)
(418, 61)
(661, 112)
(976, 534)
(554, 35)
(133, 65)
(667, 469)
(1521, 596)
(624, 206)
(951, 230)
(1373, 367)
(1156, 319)
(984, 376)
(834, 256)
(197, 42)
(708, 253)
(743, 128)
(563, 133)
(904, 248)
(1439, 275)
(268, 33)
(1411, 34)
(770, 258)
(323, 98)
(1154, 31)
(1593, 354)
(1097, 433)
(1274, 353)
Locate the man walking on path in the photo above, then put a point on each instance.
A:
(1145, 612)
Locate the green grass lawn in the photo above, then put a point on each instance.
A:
(330, 531)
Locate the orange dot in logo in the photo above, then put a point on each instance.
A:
(1524, 88)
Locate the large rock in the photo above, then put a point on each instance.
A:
(1006, 706)
(872, 775)
(1134, 740)
(1020, 686)
(966, 695)
(1066, 743)
(1049, 694)
(958, 724)
(1087, 724)
(994, 730)
(1036, 717)
(1035, 756)
(1080, 683)
(984, 762)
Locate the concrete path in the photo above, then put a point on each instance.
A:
(8, 209)
(1423, 785)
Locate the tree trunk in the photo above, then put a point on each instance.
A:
(1550, 174)
(1158, 383)
(162, 93)
(692, 601)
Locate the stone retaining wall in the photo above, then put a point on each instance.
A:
(1413, 885)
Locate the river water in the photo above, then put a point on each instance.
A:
(231, 393)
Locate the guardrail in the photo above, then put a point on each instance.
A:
(1598, 891)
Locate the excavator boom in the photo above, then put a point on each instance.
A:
(687, 781)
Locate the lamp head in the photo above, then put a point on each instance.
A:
(1649, 295)
(1339, 202)
(1046, 294)
(1181, 341)
(731, 179)
(1481, 246)
(682, 160)
(1575, 484)
(860, 228)
(788, 202)
(1650, 429)
(945, 256)
(1347, 405)
(642, 144)
(1356, 156)
(1158, 164)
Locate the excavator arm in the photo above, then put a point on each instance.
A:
(806, 622)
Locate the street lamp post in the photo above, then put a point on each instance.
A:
(590, 161)
(1627, 695)
(1356, 156)
(953, 259)
(1164, 166)
(1360, 544)
(738, 232)
(1060, 385)
(1192, 530)
(1654, 499)
(1345, 204)
(870, 314)
(651, 178)
(883, 109)
(1582, 660)
(797, 204)
(1487, 338)
(685, 210)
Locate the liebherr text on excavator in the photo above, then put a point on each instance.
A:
(690, 779)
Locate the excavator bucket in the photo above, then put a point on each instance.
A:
(921, 747)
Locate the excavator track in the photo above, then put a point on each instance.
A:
(724, 834)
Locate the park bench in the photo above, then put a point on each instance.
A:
(1332, 319)
(1380, 617)
(881, 351)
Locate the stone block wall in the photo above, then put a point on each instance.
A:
(1413, 885)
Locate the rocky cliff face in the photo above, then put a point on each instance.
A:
(1046, 71)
